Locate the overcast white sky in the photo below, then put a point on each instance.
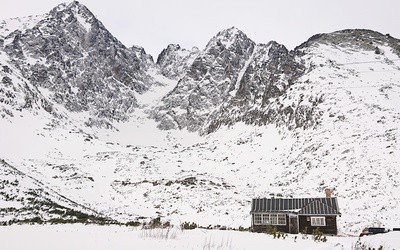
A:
(153, 24)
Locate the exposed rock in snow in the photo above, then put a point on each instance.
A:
(174, 61)
(207, 83)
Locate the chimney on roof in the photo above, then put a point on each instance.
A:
(328, 192)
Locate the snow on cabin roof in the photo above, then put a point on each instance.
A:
(304, 206)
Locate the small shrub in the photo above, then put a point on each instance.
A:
(273, 230)
(362, 246)
(304, 233)
(155, 223)
(188, 226)
(133, 223)
(34, 220)
(166, 224)
(56, 211)
(318, 236)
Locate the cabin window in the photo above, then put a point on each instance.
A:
(265, 220)
(273, 219)
(269, 219)
(318, 221)
(257, 219)
(281, 219)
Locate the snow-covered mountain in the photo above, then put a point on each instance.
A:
(254, 90)
(208, 82)
(74, 61)
(198, 134)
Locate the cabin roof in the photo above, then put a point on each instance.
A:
(303, 206)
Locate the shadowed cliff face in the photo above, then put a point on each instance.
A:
(266, 78)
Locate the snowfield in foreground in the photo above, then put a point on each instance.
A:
(114, 237)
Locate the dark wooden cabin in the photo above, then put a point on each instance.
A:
(294, 215)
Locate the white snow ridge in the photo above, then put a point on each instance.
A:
(94, 132)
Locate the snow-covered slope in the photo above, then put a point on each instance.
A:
(24, 199)
(81, 114)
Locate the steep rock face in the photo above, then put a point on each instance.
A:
(175, 61)
(85, 68)
(17, 93)
(271, 70)
(208, 82)
(146, 61)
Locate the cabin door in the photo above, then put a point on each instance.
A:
(293, 224)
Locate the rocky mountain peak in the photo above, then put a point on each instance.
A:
(74, 11)
(212, 76)
(146, 60)
(175, 61)
(171, 48)
(82, 65)
(232, 33)
(74, 6)
(231, 39)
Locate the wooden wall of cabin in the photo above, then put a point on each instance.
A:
(263, 228)
(329, 228)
